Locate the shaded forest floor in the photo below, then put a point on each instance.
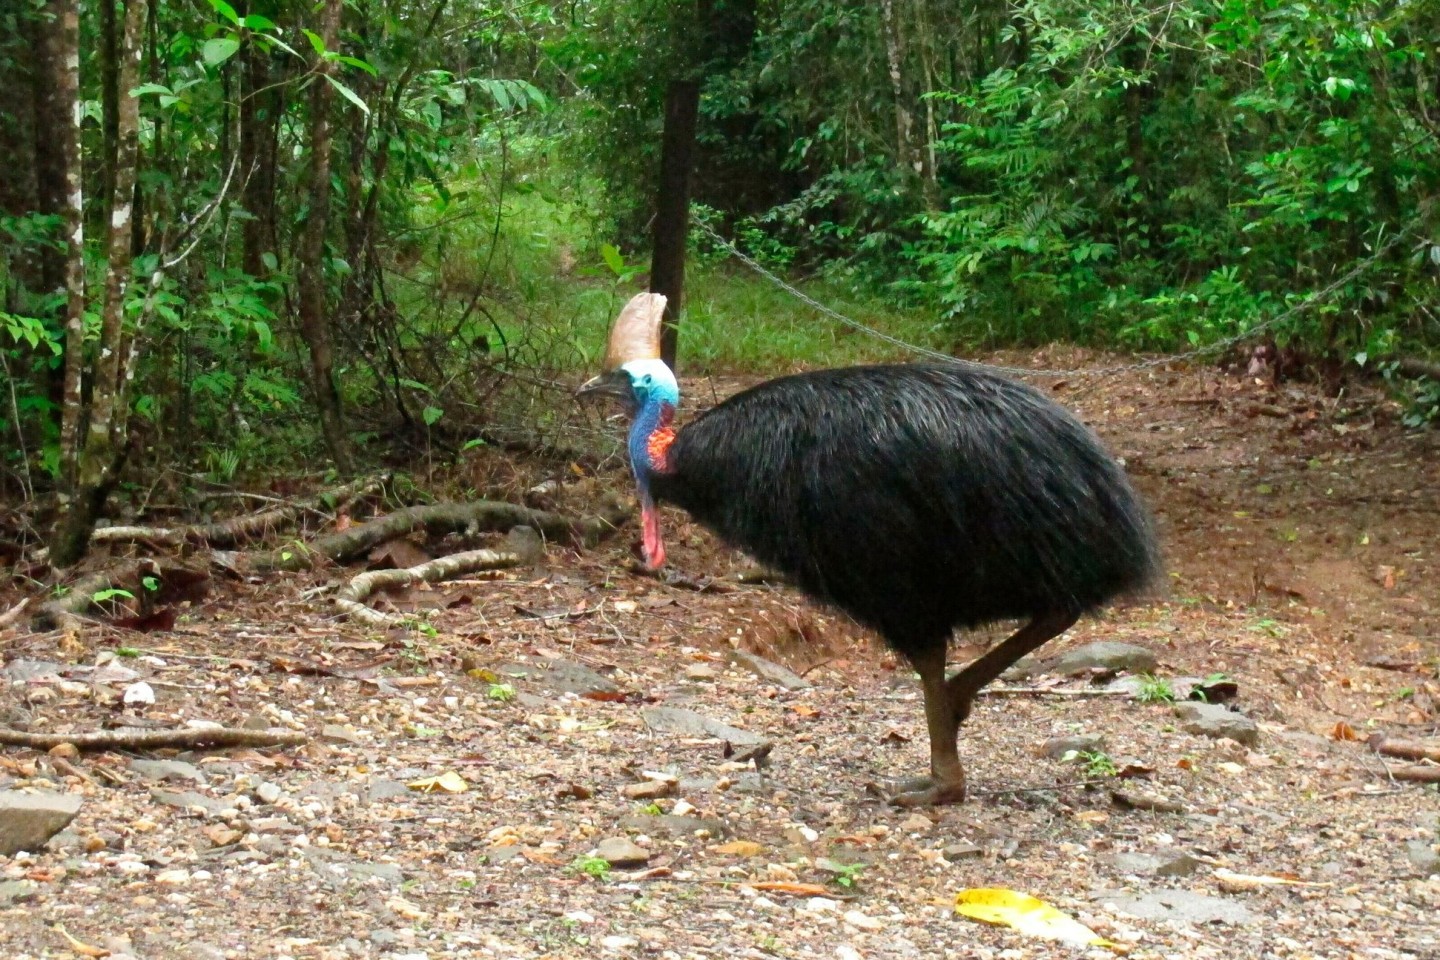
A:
(1303, 536)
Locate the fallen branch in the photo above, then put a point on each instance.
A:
(130, 738)
(170, 579)
(248, 526)
(440, 518)
(1416, 773)
(13, 614)
(1051, 692)
(1404, 749)
(522, 546)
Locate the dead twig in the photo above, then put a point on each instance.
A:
(129, 738)
(13, 614)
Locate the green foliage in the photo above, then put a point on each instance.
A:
(1155, 689)
(1097, 763)
(597, 868)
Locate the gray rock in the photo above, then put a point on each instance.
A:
(670, 825)
(1423, 858)
(1107, 655)
(1023, 669)
(16, 891)
(31, 671)
(962, 851)
(384, 790)
(1179, 906)
(162, 770)
(769, 672)
(267, 792)
(561, 676)
(28, 820)
(335, 733)
(688, 723)
(1057, 747)
(1168, 864)
(188, 800)
(622, 852)
(1211, 720)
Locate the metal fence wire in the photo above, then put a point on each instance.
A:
(1089, 373)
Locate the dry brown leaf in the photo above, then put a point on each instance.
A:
(449, 782)
(793, 889)
(1343, 731)
(739, 848)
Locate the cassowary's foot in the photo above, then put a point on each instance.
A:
(928, 792)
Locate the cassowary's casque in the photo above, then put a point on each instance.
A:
(915, 498)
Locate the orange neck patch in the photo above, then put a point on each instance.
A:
(658, 445)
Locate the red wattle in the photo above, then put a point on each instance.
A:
(653, 548)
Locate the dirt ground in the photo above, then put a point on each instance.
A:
(1302, 535)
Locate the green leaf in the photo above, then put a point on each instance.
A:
(473, 443)
(257, 22)
(226, 11)
(357, 62)
(315, 41)
(613, 260)
(431, 414)
(148, 88)
(348, 94)
(100, 596)
(220, 49)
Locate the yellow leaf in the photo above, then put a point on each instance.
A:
(739, 848)
(449, 781)
(1022, 912)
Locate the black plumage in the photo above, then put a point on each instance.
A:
(916, 498)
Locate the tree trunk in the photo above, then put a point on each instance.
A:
(314, 316)
(904, 124)
(672, 207)
(64, 151)
(102, 442)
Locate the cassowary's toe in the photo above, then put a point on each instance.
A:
(927, 792)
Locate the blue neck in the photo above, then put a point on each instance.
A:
(652, 415)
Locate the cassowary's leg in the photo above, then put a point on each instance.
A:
(962, 688)
(946, 783)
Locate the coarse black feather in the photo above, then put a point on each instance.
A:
(916, 498)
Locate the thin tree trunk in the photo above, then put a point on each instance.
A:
(904, 145)
(65, 148)
(314, 317)
(102, 443)
(672, 207)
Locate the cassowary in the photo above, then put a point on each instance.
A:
(915, 498)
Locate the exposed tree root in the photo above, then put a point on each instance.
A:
(1415, 773)
(130, 738)
(522, 546)
(1404, 749)
(238, 529)
(479, 517)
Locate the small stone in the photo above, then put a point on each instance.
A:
(649, 790)
(617, 942)
(28, 820)
(688, 723)
(1057, 747)
(65, 751)
(1023, 669)
(1423, 858)
(622, 852)
(268, 792)
(162, 770)
(1106, 655)
(16, 891)
(561, 676)
(916, 823)
(962, 851)
(338, 734)
(701, 671)
(173, 878)
(1170, 864)
(1212, 720)
(769, 672)
(820, 905)
(188, 800)
(860, 921)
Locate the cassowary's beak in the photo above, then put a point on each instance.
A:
(615, 383)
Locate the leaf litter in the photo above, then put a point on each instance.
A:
(458, 779)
